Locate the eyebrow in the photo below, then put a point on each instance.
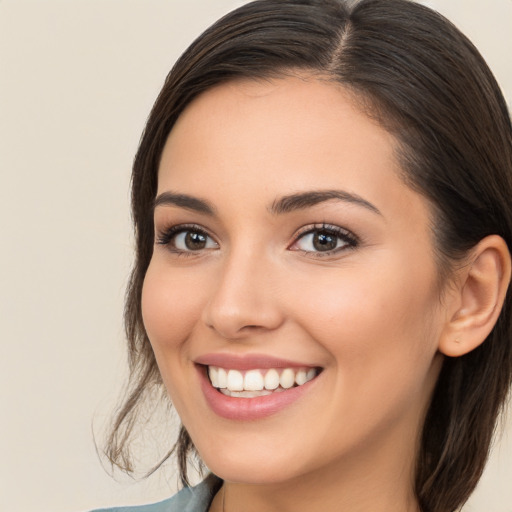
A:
(184, 201)
(303, 200)
(286, 204)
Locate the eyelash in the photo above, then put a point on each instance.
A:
(348, 238)
(166, 236)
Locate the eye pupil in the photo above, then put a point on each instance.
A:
(195, 241)
(323, 241)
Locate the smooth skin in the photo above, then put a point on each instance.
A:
(247, 277)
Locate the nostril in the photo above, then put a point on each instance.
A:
(234, 327)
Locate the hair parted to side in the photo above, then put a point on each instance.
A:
(427, 85)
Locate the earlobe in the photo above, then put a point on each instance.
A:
(479, 295)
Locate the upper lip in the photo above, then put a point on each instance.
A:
(247, 361)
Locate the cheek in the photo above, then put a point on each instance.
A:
(168, 311)
(171, 309)
(375, 321)
(382, 346)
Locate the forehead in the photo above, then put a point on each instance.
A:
(294, 106)
(282, 136)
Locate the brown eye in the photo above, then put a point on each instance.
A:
(182, 239)
(195, 241)
(325, 239)
(320, 240)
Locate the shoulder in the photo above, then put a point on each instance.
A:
(189, 499)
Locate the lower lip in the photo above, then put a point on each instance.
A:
(248, 409)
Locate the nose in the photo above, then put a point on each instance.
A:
(245, 299)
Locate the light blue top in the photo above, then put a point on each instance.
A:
(189, 499)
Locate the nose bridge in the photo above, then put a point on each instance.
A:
(243, 299)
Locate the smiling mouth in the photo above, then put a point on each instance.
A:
(258, 382)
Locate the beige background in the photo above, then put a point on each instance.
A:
(77, 80)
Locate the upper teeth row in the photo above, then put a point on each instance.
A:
(256, 380)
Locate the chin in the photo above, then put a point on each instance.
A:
(253, 474)
(250, 460)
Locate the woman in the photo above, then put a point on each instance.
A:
(322, 215)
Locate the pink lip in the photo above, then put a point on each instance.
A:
(247, 361)
(249, 409)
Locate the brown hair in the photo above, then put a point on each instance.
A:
(425, 83)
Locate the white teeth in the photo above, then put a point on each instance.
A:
(301, 377)
(287, 378)
(223, 378)
(235, 381)
(272, 379)
(245, 394)
(253, 380)
(258, 382)
(213, 373)
(217, 377)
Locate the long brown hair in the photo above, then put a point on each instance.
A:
(427, 85)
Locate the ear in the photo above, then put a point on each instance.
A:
(477, 298)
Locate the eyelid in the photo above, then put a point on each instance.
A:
(164, 235)
(344, 234)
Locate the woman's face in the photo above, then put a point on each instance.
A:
(287, 249)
